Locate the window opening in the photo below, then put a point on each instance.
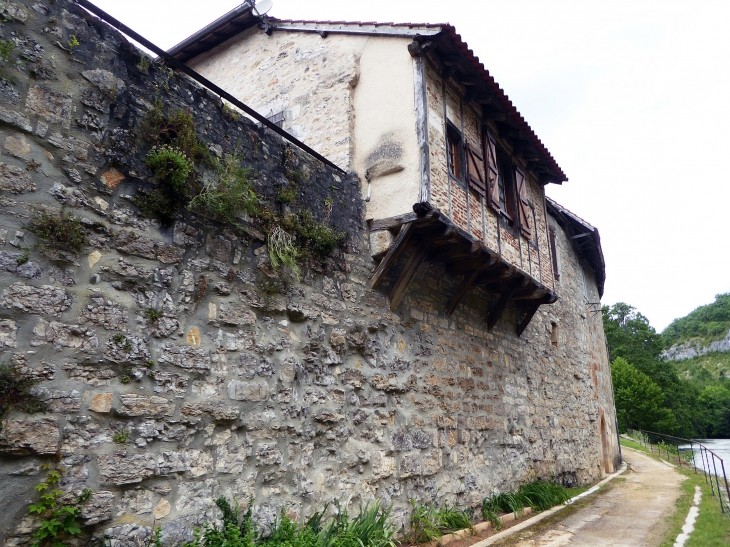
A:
(278, 118)
(454, 153)
(554, 334)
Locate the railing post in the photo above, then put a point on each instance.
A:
(706, 465)
(724, 476)
(719, 495)
(692, 448)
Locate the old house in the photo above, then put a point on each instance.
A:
(449, 348)
(453, 176)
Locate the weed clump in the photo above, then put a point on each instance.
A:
(540, 495)
(172, 169)
(59, 233)
(176, 129)
(228, 193)
(283, 250)
(152, 315)
(16, 392)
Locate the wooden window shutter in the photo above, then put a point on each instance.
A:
(490, 147)
(475, 170)
(523, 206)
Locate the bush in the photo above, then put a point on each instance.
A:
(171, 166)
(284, 250)
(229, 193)
(61, 232)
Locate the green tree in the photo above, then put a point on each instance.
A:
(715, 402)
(639, 400)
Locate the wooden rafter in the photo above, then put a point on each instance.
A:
(392, 255)
(409, 272)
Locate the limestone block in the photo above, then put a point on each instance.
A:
(17, 145)
(112, 178)
(410, 465)
(109, 315)
(15, 180)
(232, 460)
(194, 462)
(127, 349)
(169, 254)
(382, 464)
(11, 262)
(187, 357)
(120, 470)
(98, 508)
(380, 242)
(60, 401)
(8, 333)
(138, 502)
(401, 440)
(15, 119)
(30, 436)
(421, 438)
(45, 299)
(76, 147)
(431, 462)
(170, 382)
(101, 403)
(217, 411)
(94, 258)
(64, 336)
(268, 454)
(139, 405)
(133, 244)
(161, 510)
(49, 105)
(236, 314)
(248, 391)
(105, 80)
(252, 365)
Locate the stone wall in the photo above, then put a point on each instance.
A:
(244, 383)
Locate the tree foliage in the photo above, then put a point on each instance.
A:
(706, 323)
(649, 392)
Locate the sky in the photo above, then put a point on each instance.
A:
(631, 98)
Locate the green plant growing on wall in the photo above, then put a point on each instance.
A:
(176, 129)
(144, 64)
(59, 520)
(72, 43)
(152, 315)
(287, 193)
(230, 114)
(319, 238)
(121, 437)
(170, 165)
(16, 392)
(59, 233)
(227, 193)
(283, 250)
(6, 53)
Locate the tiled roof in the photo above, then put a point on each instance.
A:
(222, 29)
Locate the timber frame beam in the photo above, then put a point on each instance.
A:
(428, 235)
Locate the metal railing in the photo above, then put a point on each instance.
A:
(711, 464)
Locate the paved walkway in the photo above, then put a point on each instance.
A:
(632, 513)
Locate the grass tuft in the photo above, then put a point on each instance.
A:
(228, 193)
(16, 392)
(61, 232)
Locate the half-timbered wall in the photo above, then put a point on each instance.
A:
(465, 207)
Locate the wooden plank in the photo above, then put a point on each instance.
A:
(521, 326)
(461, 290)
(424, 161)
(391, 222)
(498, 309)
(409, 271)
(392, 255)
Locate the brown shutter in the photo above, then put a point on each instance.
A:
(523, 205)
(475, 170)
(490, 147)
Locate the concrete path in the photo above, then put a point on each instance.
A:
(632, 513)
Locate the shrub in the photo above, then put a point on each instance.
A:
(228, 193)
(176, 129)
(423, 524)
(120, 438)
(171, 166)
(61, 232)
(15, 392)
(284, 250)
(450, 519)
(152, 315)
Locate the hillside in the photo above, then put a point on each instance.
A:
(702, 326)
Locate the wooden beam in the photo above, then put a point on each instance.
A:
(461, 290)
(491, 114)
(522, 325)
(392, 255)
(498, 309)
(409, 271)
(391, 222)
(421, 102)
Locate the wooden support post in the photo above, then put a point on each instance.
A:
(528, 316)
(392, 255)
(498, 309)
(409, 271)
(461, 290)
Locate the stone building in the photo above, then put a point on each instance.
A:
(449, 350)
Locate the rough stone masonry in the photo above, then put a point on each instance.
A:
(298, 396)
